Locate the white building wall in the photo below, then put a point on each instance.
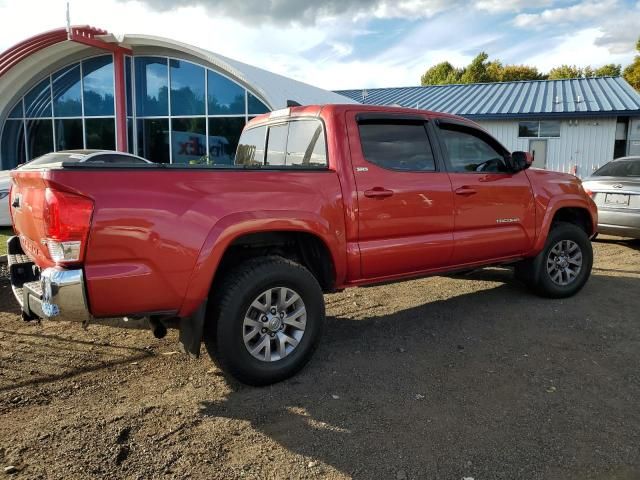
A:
(583, 143)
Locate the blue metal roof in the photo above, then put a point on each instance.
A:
(527, 99)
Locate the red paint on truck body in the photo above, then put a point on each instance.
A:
(157, 235)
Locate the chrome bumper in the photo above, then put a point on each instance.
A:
(53, 293)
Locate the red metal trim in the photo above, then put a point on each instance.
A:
(85, 35)
(121, 105)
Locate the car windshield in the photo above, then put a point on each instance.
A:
(620, 168)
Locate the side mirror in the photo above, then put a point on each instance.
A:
(521, 161)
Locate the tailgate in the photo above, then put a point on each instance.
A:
(27, 211)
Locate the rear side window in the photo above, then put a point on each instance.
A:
(251, 147)
(397, 145)
(295, 144)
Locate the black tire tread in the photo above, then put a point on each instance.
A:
(226, 292)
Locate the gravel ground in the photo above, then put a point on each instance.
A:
(441, 378)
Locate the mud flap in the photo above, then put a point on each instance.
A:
(191, 331)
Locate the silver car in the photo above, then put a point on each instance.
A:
(615, 187)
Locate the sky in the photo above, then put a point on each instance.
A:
(341, 44)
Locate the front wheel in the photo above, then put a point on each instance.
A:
(563, 267)
(270, 319)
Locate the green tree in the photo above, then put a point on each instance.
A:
(609, 70)
(632, 72)
(476, 71)
(511, 73)
(441, 74)
(566, 71)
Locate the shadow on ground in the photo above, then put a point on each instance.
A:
(492, 384)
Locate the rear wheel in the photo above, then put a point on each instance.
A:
(564, 265)
(270, 317)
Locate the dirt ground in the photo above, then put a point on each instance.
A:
(441, 378)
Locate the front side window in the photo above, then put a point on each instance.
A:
(469, 153)
(397, 145)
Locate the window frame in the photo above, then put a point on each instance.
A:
(382, 118)
(286, 168)
(539, 122)
(464, 127)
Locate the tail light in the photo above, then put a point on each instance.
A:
(588, 192)
(67, 219)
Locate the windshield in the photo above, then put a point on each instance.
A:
(620, 168)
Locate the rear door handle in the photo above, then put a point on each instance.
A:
(466, 191)
(378, 192)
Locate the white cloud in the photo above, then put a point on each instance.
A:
(588, 10)
(621, 32)
(577, 48)
(501, 6)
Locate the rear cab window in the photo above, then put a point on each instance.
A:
(295, 144)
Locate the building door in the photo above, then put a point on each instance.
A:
(538, 149)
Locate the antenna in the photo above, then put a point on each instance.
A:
(364, 95)
(68, 21)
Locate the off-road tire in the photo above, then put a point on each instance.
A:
(223, 336)
(533, 272)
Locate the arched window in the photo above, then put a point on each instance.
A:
(177, 111)
(72, 108)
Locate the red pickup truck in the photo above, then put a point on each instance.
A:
(319, 199)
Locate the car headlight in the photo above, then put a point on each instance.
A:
(3, 194)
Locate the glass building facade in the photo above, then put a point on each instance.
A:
(177, 112)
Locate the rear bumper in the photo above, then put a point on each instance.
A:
(619, 222)
(53, 293)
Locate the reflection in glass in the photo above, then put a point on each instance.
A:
(251, 147)
(305, 144)
(127, 84)
(69, 134)
(225, 96)
(38, 100)
(17, 111)
(189, 140)
(98, 86)
(256, 107)
(224, 134)
(153, 140)
(152, 92)
(276, 144)
(12, 147)
(39, 138)
(550, 129)
(528, 129)
(187, 88)
(67, 97)
(130, 135)
(100, 133)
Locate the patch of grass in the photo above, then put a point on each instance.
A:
(5, 233)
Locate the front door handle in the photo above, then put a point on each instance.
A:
(378, 192)
(466, 190)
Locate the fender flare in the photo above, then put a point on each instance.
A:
(233, 226)
(554, 205)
